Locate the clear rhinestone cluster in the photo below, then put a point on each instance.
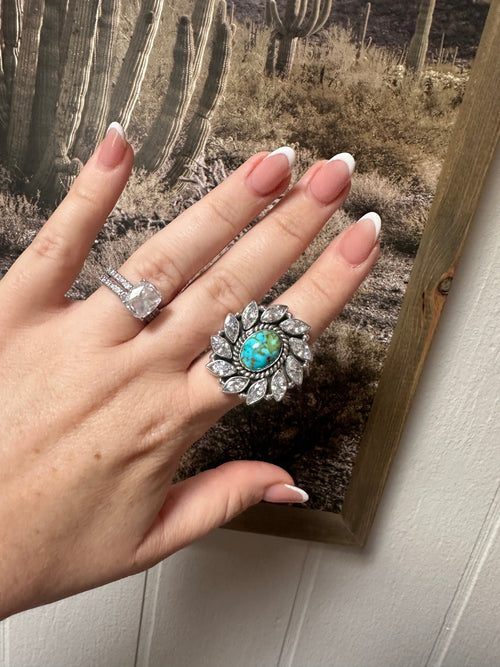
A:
(287, 370)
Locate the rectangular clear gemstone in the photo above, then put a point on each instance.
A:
(143, 299)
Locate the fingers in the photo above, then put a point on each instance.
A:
(316, 298)
(48, 268)
(199, 504)
(255, 263)
(174, 256)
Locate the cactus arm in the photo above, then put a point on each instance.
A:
(23, 87)
(47, 83)
(319, 16)
(11, 31)
(275, 17)
(202, 18)
(133, 69)
(268, 19)
(199, 127)
(4, 103)
(301, 12)
(166, 128)
(417, 50)
(56, 167)
(93, 124)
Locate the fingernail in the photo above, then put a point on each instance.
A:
(112, 149)
(359, 240)
(348, 159)
(273, 169)
(285, 493)
(332, 178)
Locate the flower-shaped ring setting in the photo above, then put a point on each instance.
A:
(260, 353)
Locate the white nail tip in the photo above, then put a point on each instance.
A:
(116, 126)
(375, 218)
(301, 492)
(348, 159)
(287, 151)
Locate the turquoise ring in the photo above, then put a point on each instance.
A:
(260, 353)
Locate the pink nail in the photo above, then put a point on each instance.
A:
(359, 240)
(112, 149)
(273, 169)
(332, 178)
(285, 493)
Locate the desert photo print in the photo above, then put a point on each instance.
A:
(200, 86)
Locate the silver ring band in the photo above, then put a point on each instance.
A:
(260, 353)
(142, 300)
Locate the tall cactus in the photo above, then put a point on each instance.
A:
(199, 127)
(188, 53)
(419, 44)
(56, 94)
(295, 24)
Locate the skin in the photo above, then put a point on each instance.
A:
(98, 407)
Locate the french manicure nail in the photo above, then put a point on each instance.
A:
(359, 240)
(112, 149)
(330, 180)
(348, 159)
(288, 152)
(273, 169)
(285, 493)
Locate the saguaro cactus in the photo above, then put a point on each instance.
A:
(56, 95)
(286, 31)
(419, 44)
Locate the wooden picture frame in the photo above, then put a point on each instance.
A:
(472, 146)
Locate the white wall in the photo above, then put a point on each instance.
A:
(425, 590)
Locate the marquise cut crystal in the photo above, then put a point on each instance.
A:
(278, 385)
(301, 349)
(257, 391)
(249, 315)
(294, 327)
(273, 313)
(235, 384)
(221, 368)
(142, 299)
(294, 370)
(221, 347)
(232, 327)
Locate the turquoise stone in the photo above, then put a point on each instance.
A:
(260, 350)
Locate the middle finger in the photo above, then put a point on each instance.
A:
(253, 265)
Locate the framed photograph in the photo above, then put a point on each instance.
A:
(412, 91)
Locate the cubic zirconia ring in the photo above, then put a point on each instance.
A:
(142, 300)
(260, 353)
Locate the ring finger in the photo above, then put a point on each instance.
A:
(316, 298)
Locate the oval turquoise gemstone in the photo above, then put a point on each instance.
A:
(260, 350)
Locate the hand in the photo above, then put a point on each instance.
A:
(97, 407)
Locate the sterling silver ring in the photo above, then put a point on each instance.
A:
(142, 300)
(260, 353)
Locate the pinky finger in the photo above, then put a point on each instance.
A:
(325, 288)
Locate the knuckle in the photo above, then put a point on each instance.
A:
(161, 270)
(320, 285)
(82, 195)
(223, 212)
(289, 228)
(50, 244)
(226, 289)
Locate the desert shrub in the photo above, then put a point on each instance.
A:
(20, 221)
(334, 102)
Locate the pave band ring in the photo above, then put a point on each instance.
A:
(142, 300)
(260, 353)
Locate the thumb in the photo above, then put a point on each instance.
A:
(196, 505)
